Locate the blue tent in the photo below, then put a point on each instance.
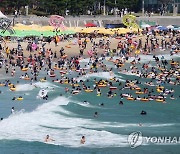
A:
(162, 28)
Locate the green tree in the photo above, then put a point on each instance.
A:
(76, 7)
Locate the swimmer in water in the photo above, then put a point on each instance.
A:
(83, 140)
(96, 114)
(48, 139)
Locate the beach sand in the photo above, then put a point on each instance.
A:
(73, 50)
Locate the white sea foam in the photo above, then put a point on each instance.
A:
(44, 85)
(122, 125)
(24, 87)
(29, 87)
(85, 104)
(147, 58)
(66, 131)
(168, 56)
(128, 73)
(102, 75)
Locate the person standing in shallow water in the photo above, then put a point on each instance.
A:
(83, 140)
(48, 139)
(12, 110)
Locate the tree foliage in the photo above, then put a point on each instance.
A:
(75, 7)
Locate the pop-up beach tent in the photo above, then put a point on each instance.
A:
(2, 15)
(5, 24)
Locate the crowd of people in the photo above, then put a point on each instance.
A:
(100, 51)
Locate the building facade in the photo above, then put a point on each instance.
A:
(156, 6)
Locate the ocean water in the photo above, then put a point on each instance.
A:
(67, 118)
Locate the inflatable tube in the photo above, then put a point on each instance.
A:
(112, 79)
(10, 85)
(175, 63)
(137, 88)
(130, 98)
(13, 89)
(26, 78)
(19, 99)
(75, 92)
(144, 99)
(62, 68)
(88, 90)
(73, 69)
(66, 82)
(112, 88)
(42, 80)
(160, 87)
(159, 90)
(62, 72)
(75, 85)
(24, 69)
(159, 100)
(56, 81)
(125, 95)
(120, 65)
(139, 92)
(53, 75)
(102, 85)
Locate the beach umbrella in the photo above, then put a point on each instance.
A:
(24, 33)
(90, 25)
(87, 30)
(47, 28)
(48, 33)
(105, 31)
(21, 27)
(6, 33)
(68, 32)
(75, 29)
(162, 28)
(170, 27)
(176, 27)
(124, 31)
(145, 26)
